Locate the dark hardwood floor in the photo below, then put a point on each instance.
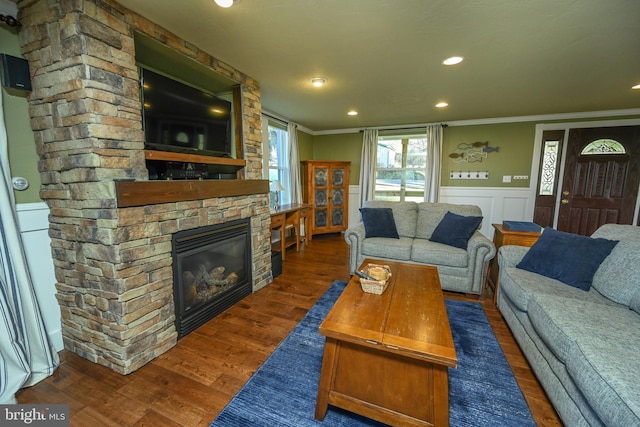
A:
(191, 383)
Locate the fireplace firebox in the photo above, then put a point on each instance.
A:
(212, 271)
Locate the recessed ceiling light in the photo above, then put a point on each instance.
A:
(453, 60)
(352, 113)
(319, 81)
(441, 104)
(224, 3)
(635, 87)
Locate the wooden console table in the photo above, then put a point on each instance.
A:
(502, 237)
(287, 216)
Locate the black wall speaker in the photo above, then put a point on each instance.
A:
(15, 72)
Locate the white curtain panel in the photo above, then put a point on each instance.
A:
(368, 163)
(294, 163)
(26, 354)
(265, 146)
(434, 163)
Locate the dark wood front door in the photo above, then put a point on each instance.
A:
(600, 181)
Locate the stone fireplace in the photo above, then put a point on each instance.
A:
(111, 228)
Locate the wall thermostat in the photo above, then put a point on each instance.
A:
(20, 183)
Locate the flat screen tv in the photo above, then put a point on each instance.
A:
(180, 118)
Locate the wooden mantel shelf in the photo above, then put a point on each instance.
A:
(142, 193)
(192, 158)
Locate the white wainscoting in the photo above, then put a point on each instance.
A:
(34, 229)
(354, 205)
(497, 203)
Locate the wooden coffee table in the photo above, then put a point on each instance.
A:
(387, 356)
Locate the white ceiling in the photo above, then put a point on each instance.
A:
(383, 57)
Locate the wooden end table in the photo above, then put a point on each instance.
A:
(387, 356)
(502, 237)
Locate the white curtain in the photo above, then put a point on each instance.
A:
(434, 163)
(265, 146)
(368, 162)
(294, 163)
(26, 354)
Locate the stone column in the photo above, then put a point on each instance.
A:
(113, 266)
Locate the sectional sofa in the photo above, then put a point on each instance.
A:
(583, 345)
(461, 268)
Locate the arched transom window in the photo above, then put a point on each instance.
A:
(603, 146)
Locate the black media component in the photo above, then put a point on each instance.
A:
(167, 171)
(15, 73)
(276, 263)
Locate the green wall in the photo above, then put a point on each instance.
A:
(305, 146)
(513, 143)
(344, 147)
(514, 155)
(510, 151)
(23, 159)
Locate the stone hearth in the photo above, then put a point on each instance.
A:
(113, 264)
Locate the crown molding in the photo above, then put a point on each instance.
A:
(287, 121)
(547, 117)
(496, 120)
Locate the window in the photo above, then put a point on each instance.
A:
(548, 169)
(278, 167)
(603, 146)
(401, 168)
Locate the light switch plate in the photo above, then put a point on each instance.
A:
(506, 178)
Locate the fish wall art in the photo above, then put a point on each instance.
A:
(472, 152)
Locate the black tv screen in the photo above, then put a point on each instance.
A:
(180, 118)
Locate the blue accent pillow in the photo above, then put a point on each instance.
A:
(379, 222)
(455, 230)
(635, 302)
(569, 258)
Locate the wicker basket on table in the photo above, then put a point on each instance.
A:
(381, 272)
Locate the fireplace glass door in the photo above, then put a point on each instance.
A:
(211, 272)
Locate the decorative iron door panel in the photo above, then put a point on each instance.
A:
(337, 177)
(321, 177)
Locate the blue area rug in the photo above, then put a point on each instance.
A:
(482, 389)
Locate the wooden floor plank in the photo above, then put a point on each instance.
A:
(191, 383)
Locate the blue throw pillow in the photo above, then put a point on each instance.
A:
(569, 258)
(635, 302)
(379, 222)
(455, 230)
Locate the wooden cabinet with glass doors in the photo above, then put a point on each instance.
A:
(325, 186)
